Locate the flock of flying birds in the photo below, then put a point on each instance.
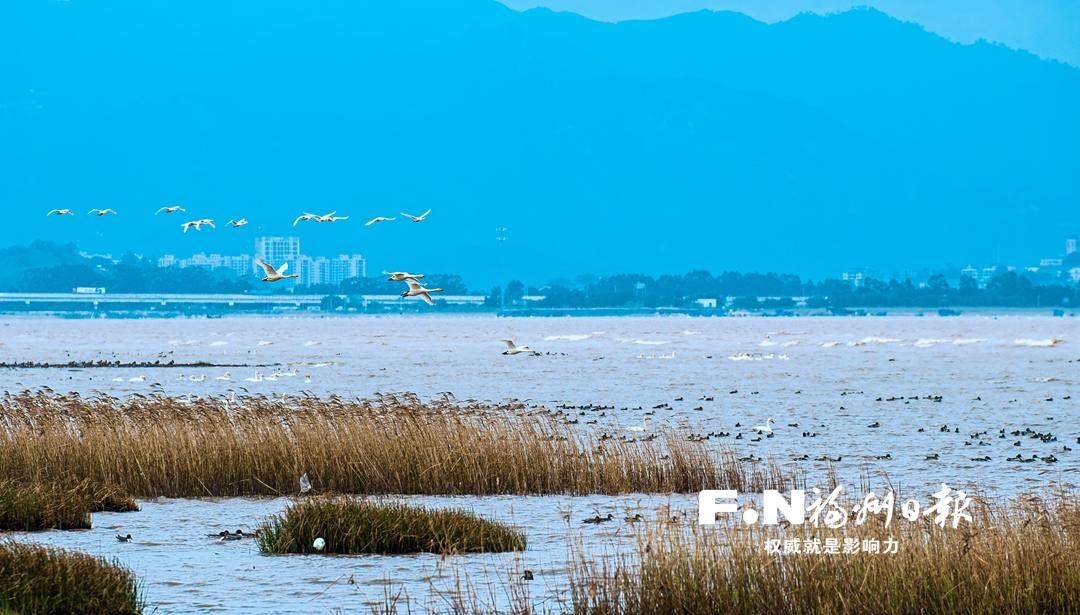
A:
(276, 274)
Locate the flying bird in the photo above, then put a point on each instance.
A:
(379, 219)
(169, 210)
(419, 218)
(197, 224)
(101, 212)
(330, 217)
(512, 348)
(306, 216)
(401, 276)
(60, 212)
(274, 275)
(238, 223)
(415, 290)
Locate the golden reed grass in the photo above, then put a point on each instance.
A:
(161, 446)
(355, 526)
(31, 506)
(48, 581)
(1020, 556)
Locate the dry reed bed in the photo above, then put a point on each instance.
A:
(48, 581)
(160, 446)
(355, 526)
(1022, 556)
(33, 506)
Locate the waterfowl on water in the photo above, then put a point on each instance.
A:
(123, 538)
(598, 519)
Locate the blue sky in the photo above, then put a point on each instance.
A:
(1049, 28)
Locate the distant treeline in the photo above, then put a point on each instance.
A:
(777, 292)
(65, 269)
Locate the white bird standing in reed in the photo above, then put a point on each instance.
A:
(169, 210)
(401, 276)
(415, 290)
(274, 275)
(101, 212)
(419, 218)
(60, 212)
(319, 543)
(512, 348)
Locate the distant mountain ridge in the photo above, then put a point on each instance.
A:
(704, 140)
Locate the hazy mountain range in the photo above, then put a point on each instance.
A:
(704, 140)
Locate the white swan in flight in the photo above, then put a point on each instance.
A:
(401, 276)
(101, 212)
(306, 216)
(197, 224)
(238, 223)
(379, 219)
(274, 275)
(415, 290)
(419, 218)
(766, 428)
(512, 348)
(169, 210)
(644, 425)
(60, 212)
(330, 217)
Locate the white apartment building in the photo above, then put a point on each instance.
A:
(241, 265)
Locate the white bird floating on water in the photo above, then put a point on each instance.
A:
(401, 276)
(238, 223)
(419, 218)
(415, 290)
(223, 377)
(199, 379)
(101, 212)
(319, 543)
(644, 425)
(274, 275)
(766, 428)
(60, 212)
(379, 219)
(305, 483)
(139, 379)
(169, 210)
(257, 378)
(512, 348)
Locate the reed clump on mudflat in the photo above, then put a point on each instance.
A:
(1021, 556)
(153, 446)
(33, 506)
(47, 581)
(354, 526)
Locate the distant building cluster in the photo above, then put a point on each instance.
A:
(1060, 269)
(278, 251)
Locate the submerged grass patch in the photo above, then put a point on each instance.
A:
(1021, 556)
(47, 581)
(354, 526)
(28, 507)
(160, 446)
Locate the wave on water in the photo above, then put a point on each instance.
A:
(312, 343)
(791, 343)
(926, 342)
(1036, 343)
(968, 341)
(179, 343)
(767, 343)
(1050, 379)
(219, 343)
(649, 342)
(571, 338)
(265, 343)
(831, 344)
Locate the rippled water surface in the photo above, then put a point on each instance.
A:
(1010, 371)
